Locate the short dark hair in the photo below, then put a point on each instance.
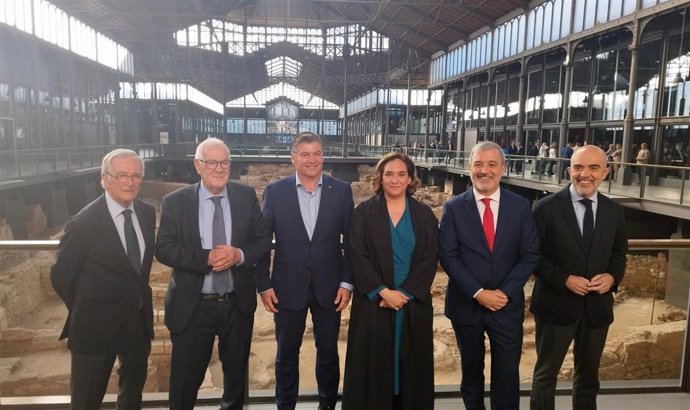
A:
(305, 138)
(377, 182)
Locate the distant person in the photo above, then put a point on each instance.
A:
(308, 213)
(583, 257)
(553, 157)
(393, 246)
(566, 153)
(521, 160)
(489, 247)
(102, 274)
(211, 234)
(642, 159)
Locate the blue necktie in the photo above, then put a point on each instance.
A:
(131, 241)
(222, 281)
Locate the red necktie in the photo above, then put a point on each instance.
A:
(488, 223)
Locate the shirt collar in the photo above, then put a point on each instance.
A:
(204, 193)
(496, 196)
(114, 208)
(575, 197)
(298, 183)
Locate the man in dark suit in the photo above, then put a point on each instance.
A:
(308, 213)
(583, 256)
(102, 275)
(488, 245)
(211, 234)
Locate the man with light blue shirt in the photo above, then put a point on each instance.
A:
(102, 274)
(212, 234)
(309, 214)
(583, 256)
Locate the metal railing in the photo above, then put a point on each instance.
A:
(663, 183)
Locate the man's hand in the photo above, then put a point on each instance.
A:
(270, 300)
(392, 299)
(493, 300)
(601, 283)
(342, 299)
(578, 285)
(223, 257)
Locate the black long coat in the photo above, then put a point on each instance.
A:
(369, 364)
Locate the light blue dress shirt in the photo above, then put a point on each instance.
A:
(580, 208)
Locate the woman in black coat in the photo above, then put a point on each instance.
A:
(393, 247)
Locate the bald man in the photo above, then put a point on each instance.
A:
(583, 254)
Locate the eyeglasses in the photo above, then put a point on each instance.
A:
(213, 164)
(122, 178)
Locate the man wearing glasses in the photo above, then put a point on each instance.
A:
(309, 213)
(102, 275)
(212, 234)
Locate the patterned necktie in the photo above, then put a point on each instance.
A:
(488, 223)
(587, 223)
(222, 281)
(131, 241)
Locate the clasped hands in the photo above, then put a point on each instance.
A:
(223, 257)
(581, 286)
(494, 300)
(392, 299)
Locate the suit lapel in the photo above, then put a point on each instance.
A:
(327, 202)
(472, 215)
(291, 204)
(146, 229)
(566, 204)
(108, 232)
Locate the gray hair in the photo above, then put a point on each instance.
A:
(487, 146)
(210, 142)
(119, 153)
(305, 137)
(115, 154)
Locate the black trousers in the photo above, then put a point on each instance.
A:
(90, 375)
(290, 327)
(552, 343)
(192, 349)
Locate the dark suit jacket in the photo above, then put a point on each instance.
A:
(99, 286)
(464, 254)
(179, 246)
(563, 254)
(298, 260)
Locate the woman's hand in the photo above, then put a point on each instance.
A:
(392, 299)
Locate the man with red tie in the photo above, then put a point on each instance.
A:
(488, 246)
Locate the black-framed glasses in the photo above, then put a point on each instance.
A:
(213, 164)
(122, 178)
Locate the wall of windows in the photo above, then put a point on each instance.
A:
(544, 24)
(584, 97)
(242, 40)
(170, 91)
(49, 23)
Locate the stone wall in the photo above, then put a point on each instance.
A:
(644, 273)
(646, 352)
(23, 286)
